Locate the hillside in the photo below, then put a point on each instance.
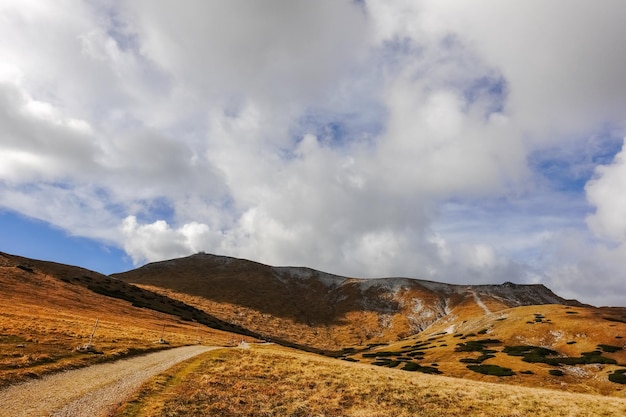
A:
(49, 309)
(318, 309)
(521, 334)
(518, 334)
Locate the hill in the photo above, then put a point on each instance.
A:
(49, 309)
(521, 334)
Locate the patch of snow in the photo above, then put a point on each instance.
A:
(450, 329)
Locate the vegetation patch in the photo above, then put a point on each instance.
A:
(386, 362)
(412, 367)
(491, 370)
(381, 354)
(619, 376)
(476, 345)
(536, 354)
(615, 319)
(609, 348)
(555, 372)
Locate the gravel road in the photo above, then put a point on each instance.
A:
(93, 391)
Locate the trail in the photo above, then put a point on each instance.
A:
(95, 391)
(480, 303)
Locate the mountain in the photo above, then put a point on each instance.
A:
(523, 334)
(322, 310)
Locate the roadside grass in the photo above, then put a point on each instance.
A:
(44, 319)
(274, 381)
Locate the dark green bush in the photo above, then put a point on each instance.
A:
(412, 367)
(524, 350)
(475, 345)
(615, 319)
(555, 372)
(380, 354)
(470, 360)
(619, 376)
(491, 370)
(609, 348)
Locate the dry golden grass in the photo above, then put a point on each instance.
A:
(569, 330)
(44, 319)
(272, 381)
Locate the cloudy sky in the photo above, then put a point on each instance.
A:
(464, 142)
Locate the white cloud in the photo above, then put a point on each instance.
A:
(607, 193)
(332, 134)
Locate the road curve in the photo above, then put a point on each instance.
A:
(91, 392)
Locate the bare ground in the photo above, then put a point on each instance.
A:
(94, 391)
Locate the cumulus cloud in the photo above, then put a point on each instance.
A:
(607, 193)
(375, 138)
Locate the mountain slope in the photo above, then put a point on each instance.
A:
(521, 334)
(49, 309)
(322, 310)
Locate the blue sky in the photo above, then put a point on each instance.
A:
(465, 143)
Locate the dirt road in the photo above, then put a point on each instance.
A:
(94, 391)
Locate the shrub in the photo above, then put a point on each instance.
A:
(475, 345)
(380, 354)
(491, 370)
(619, 376)
(615, 319)
(26, 268)
(412, 367)
(609, 348)
(555, 372)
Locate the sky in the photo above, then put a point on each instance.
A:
(463, 142)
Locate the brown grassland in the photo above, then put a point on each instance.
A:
(268, 380)
(44, 319)
(570, 331)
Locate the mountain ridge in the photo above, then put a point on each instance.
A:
(328, 311)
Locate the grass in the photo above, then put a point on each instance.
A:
(529, 351)
(44, 319)
(272, 381)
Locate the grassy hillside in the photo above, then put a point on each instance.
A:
(268, 380)
(561, 347)
(44, 317)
